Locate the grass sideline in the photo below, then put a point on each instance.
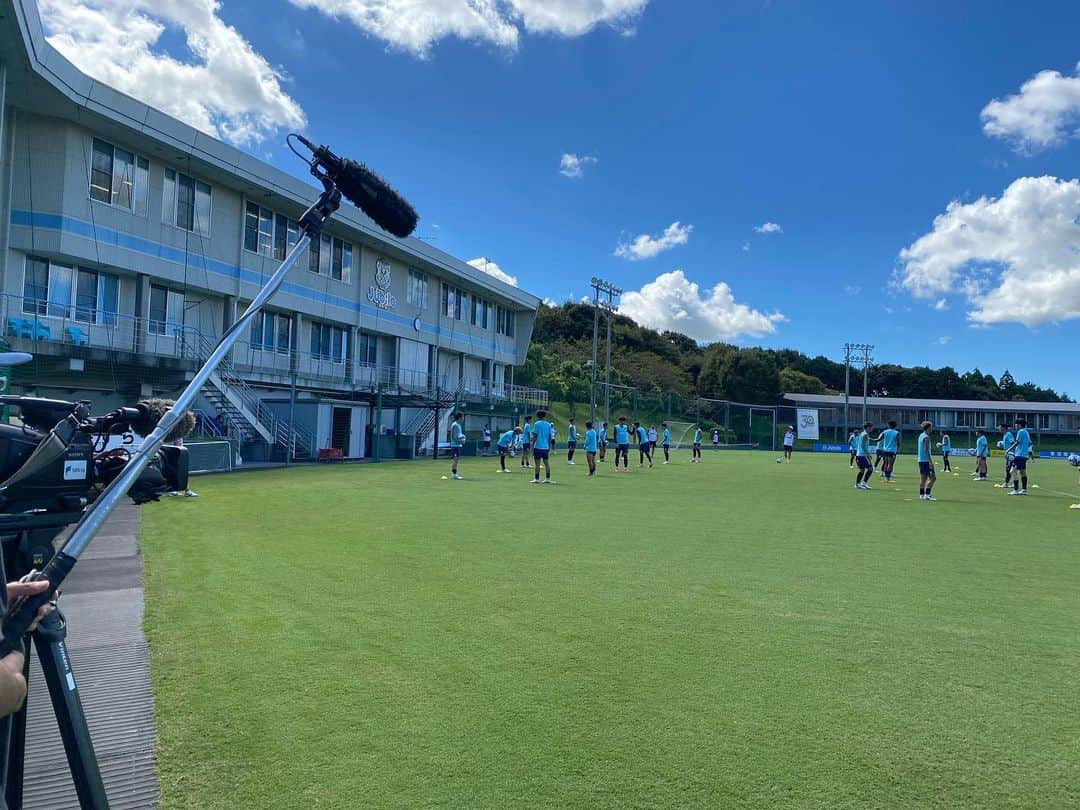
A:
(731, 634)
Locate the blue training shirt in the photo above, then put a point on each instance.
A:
(571, 433)
(1007, 440)
(697, 436)
(863, 447)
(507, 439)
(853, 441)
(590, 440)
(890, 440)
(667, 436)
(622, 434)
(642, 435)
(924, 447)
(981, 450)
(946, 445)
(541, 435)
(1023, 443)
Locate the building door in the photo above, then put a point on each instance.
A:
(341, 429)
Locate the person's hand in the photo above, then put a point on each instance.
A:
(12, 683)
(16, 590)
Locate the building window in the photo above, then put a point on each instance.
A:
(185, 203)
(329, 342)
(416, 292)
(1044, 421)
(166, 311)
(449, 301)
(268, 233)
(961, 418)
(119, 177)
(367, 348)
(330, 256)
(271, 332)
(63, 291)
(462, 305)
(504, 321)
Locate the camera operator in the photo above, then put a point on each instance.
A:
(12, 682)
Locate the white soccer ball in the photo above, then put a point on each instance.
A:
(1001, 445)
(1074, 460)
(779, 461)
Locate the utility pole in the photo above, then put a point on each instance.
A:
(851, 352)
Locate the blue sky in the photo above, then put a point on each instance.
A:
(849, 125)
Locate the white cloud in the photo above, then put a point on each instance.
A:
(943, 340)
(852, 289)
(644, 246)
(941, 305)
(573, 166)
(226, 89)
(746, 247)
(492, 269)
(550, 302)
(675, 303)
(1044, 113)
(1015, 258)
(415, 25)
(769, 227)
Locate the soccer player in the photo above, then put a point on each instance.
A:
(1021, 449)
(457, 441)
(1007, 440)
(541, 447)
(946, 448)
(554, 444)
(571, 441)
(853, 445)
(927, 476)
(506, 445)
(889, 446)
(982, 450)
(601, 440)
(643, 445)
(667, 442)
(590, 447)
(862, 458)
(789, 443)
(487, 440)
(622, 444)
(526, 442)
(695, 458)
(715, 439)
(652, 440)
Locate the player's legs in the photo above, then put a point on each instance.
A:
(502, 459)
(547, 468)
(667, 453)
(536, 466)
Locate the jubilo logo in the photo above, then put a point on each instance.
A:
(380, 294)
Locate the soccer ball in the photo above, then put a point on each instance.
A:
(779, 461)
(1001, 445)
(1074, 460)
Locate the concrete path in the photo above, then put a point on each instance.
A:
(103, 603)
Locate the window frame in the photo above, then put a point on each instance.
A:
(140, 179)
(170, 202)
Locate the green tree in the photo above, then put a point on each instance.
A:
(798, 382)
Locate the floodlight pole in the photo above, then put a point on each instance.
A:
(600, 286)
(849, 350)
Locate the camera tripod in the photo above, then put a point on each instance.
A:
(30, 549)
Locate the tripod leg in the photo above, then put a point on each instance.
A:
(49, 641)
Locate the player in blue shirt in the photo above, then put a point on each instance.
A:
(888, 442)
(571, 441)
(862, 458)
(1007, 440)
(541, 447)
(1021, 449)
(590, 447)
(526, 442)
(622, 444)
(927, 475)
(695, 458)
(853, 445)
(666, 441)
(457, 441)
(644, 446)
(505, 445)
(946, 448)
(982, 451)
(601, 439)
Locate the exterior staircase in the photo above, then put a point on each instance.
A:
(425, 422)
(241, 410)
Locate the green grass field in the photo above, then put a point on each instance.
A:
(731, 634)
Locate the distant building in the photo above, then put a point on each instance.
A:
(958, 415)
(130, 241)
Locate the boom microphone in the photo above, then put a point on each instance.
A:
(365, 189)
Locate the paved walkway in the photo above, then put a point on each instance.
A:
(103, 603)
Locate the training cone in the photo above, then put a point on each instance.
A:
(444, 478)
(1035, 486)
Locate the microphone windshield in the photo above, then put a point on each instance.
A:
(372, 195)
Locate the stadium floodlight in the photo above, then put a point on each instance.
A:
(600, 286)
(850, 352)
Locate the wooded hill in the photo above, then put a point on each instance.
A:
(665, 363)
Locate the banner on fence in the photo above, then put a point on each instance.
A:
(808, 423)
(822, 447)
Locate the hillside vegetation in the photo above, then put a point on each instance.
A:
(669, 363)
